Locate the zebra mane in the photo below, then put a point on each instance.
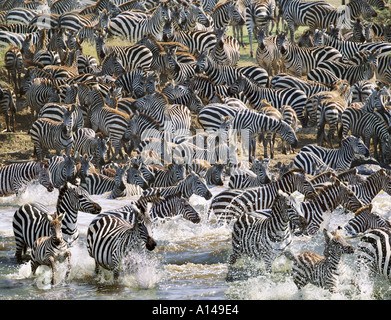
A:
(292, 172)
(155, 42)
(368, 208)
(147, 117)
(327, 187)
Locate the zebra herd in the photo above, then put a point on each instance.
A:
(170, 112)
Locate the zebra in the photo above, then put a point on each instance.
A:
(227, 13)
(112, 234)
(62, 169)
(97, 183)
(55, 111)
(213, 173)
(230, 204)
(47, 250)
(197, 41)
(321, 271)
(178, 71)
(268, 55)
(265, 238)
(191, 184)
(134, 25)
(8, 107)
(87, 141)
(30, 220)
(14, 178)
(135, 56)
(248, 122)
(323, 76)
(60, 6)
(327, 200)
(276, 97)
(40, 92)
(302, 60)
(259, 14)
(372, 252)
(365, 219)
(338, 159)
(48, 134)
(243, 180)
(73, 21)
(20, 15)
(226, 50)
(172, 206)
(13, 62)
(319, 17)
(195, 17)
(372, 185)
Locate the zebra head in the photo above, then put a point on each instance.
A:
(68, 120)
(101, 147)
(345, 196)
(55, 224)
(261, 168)
(356, 144)
(143, 221)
(178, 171)
(168, 30)
(365, 219)
(282, 42)
(164, 11)
(202, 62)
(235, 14)
(199, 186)
(217, 174)
(44, 176)
(119, 178)
(296, 180)
(287, 133)
(79, 199)
(237, 86)
(197, 13)
(148, 175)
(336, 245)
(69, 168)
(363, 7)
(318, 37)
(134, 176)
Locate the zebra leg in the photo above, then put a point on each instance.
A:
(21, 249)
(68, 257)
(53, 267)
(34, 267)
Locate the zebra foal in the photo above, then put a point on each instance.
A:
(50, 249)
(321, 271)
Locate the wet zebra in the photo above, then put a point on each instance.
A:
(8, 107)
(52, 248)
(172, 206)
(14, 178)
(134, 25)
(265, 238)
(373, 252)
(30, 220)
(191, 184)
(240, 179)
(365, 219)
(62, 169)
(113, 234)
(47, 134)
(230, 204)
(321, 271)
(338, 159)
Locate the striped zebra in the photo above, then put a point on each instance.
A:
(113, 234)
(97, 183)
(50, 249)
(30, 220)
(246, 122)
(321, 271)
(134, 25)
(227, 13)
(338, 159)
(226, 50)
(8, 107)
(191, 184)
(73, 21)
(60, 6)
(268, 55)
(259, 14)
(55, 112)
(327, 200)
(276, 97)
(178, 71)
(365, 219)
(230, 204)
(290, 117)
(20, 15)
(361, 90)
(265, 238)
(195, 17)
(62, 169)
(319, 17)
(213, 173)
(260, 175)
(172, 206)
(135, 56)
(87, 141)
(302, 60)
(14, 178)
(373, 253)
(13, 62)
(40, 92)
(47, 134)
(196, 41)
(323, 76)
(181, 94)
(372, 186)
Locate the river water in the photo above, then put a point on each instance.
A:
(189, 263)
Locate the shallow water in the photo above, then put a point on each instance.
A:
(189, 263)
